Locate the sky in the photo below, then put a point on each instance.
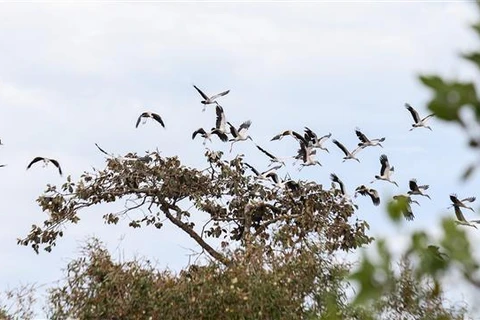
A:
(78, 73)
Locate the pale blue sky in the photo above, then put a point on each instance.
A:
(79, 73)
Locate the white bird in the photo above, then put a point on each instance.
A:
(45, 163)
(418, 122)
(365, 142)
(209, 100)
(241, 134)
(461, 203)
(273, 159)
(385, 171)
(335, 178)
(264, 174)
(461, 219)
(219, 129)
(306, 154)
(348, 154)
(372, 193)
(288, 183)
(152, 115)
(314, 141)
(416, 189)
(407, 210)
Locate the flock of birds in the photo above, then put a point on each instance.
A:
(309, 143)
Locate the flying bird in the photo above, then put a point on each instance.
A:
(45, 163)
(288, 183)
(407, 210)
(461, 203)
(461, 219)
(209, 100)
(416, 118)
(152, 115)
(365, 191)
(273, 159)
(335, 178)
(292, 133)
(314, 141)
(365, 142)
(264, 174)
(208, 135)
(348, 154)
(416, 189)
(240, 134)
(385, 171)
(306, 153)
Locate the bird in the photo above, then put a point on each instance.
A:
(348, 154)
(219, 129)
(416, 189)
(288, 183)
(210, 100)
(335, 178)
(306, 153)
(365, 142)
(273, 159)
(461, 219)
(407, 210)
(264, 174)
(418, 122)
(385, 171)
(461, 203)
(152, 115)
(45, 163)
(372, 193)
(241, 133)
(314, 141)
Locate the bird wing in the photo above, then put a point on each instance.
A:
(36, 159)
(385, 164)
(139, 119)
(221, 94)
(201, 131)
(298, 136)
(413, 185)
(469, 199)
(459, 214)
(429, 116)
(253, 169)
(204, 96)
(221, 135)
(408, 213)
(273, 169)
(361, 136)
(158, 119)
(374, 196)
(233, 130)
(220, 123)
(335, 178)
(310, 134)
(56, 164)
(103, 151)
(414, 113)
(324, 138)
(454, 199)
(244, 126)
(273, 176)
(341, 146)
(424, 187)
(271, 156)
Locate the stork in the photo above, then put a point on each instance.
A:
(314, 141)
(334, 179)
(461, 203)
(273, 159)
(149, 114)
(385, 171)
(210, 100)
(306, 153)
(241, 134)
(365, 142)
(264, 174)
(365, 191)
(418, 122)
(281, 184)
(461, 219)
(219, 129)
(348, 154)
(416, 189)
(407, 210)
(45, 163)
